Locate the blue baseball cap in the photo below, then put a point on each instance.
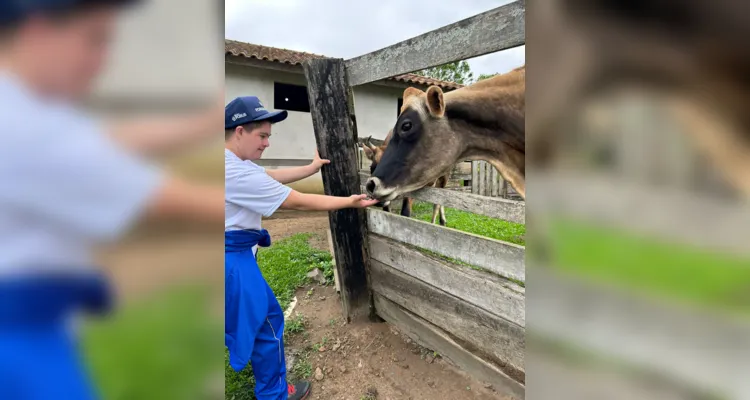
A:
(12, 11)
(246, 109)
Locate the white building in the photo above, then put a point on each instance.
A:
(276, 76)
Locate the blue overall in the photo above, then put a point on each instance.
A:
(253, 318)
(39, 358)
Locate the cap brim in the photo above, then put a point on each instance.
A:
(273, 117)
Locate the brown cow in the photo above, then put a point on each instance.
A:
(692, 54)
(375, 153)
(436, 130)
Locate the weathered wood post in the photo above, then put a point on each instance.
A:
(331, 107)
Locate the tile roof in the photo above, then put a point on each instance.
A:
(292, 57)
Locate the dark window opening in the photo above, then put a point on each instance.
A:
(290, 97)
(400, 104)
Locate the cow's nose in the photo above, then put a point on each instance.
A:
(371, 185)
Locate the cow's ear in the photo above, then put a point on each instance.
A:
(369, 153)
(411, 91)
(435, 102)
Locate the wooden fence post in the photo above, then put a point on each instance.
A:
(331, 107)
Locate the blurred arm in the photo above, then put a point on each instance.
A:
(177, 198)
(162, 134)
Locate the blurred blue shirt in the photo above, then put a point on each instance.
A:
(64, 185)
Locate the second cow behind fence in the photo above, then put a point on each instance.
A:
(375, 153)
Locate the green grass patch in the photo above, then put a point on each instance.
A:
(164, 348)
(471, 223)
(474, 223)
(661, 268)
(302, 368)
(296, 324)
(284, 265)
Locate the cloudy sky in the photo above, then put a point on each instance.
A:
(346, 29)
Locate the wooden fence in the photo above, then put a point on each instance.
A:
(469, 304)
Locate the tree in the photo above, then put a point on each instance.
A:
(486, 76)
(458, 72)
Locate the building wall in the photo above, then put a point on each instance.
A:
(293, 141)
(156, 54)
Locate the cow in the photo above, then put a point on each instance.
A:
(375, 153)
(436, 130)
(692, 54)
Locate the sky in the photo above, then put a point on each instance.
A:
(346, 29)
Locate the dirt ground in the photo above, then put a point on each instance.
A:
(363, 359)
(287, 223)
(358, 359)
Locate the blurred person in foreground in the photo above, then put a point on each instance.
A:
(68, 184)
(254, 320)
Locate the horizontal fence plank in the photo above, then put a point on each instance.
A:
(461, 177)
(678, 342)
(495, 30)
(675, 215)
(502, 258)
(434, 338)
(488, 291)
(495, 339)
(493, 207)
(462, 168)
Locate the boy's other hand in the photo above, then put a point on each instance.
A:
(318, 162)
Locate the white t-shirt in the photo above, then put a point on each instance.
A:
(64, 185)
(250, 193)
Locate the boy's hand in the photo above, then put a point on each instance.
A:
(318, 162)
(361, 201)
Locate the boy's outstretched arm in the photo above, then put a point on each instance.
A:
(318, 202)
(289, 175)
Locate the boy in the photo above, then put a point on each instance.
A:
(254, 321)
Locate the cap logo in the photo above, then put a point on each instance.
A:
(237, 116)
(261, 108)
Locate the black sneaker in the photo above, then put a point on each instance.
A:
(299, 391)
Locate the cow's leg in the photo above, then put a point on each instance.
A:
(441, 183)
(406, 207)
(435, 211)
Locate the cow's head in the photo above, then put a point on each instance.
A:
(373, 153)
(421, 147)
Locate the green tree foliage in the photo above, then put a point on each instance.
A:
(458, 72)
(486, 76)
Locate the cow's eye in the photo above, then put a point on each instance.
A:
(406, 126)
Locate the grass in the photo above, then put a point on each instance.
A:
(474, 223)
(284, 265)
(697, 276)
(295, 324)
(471, 223)
(163, 348)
